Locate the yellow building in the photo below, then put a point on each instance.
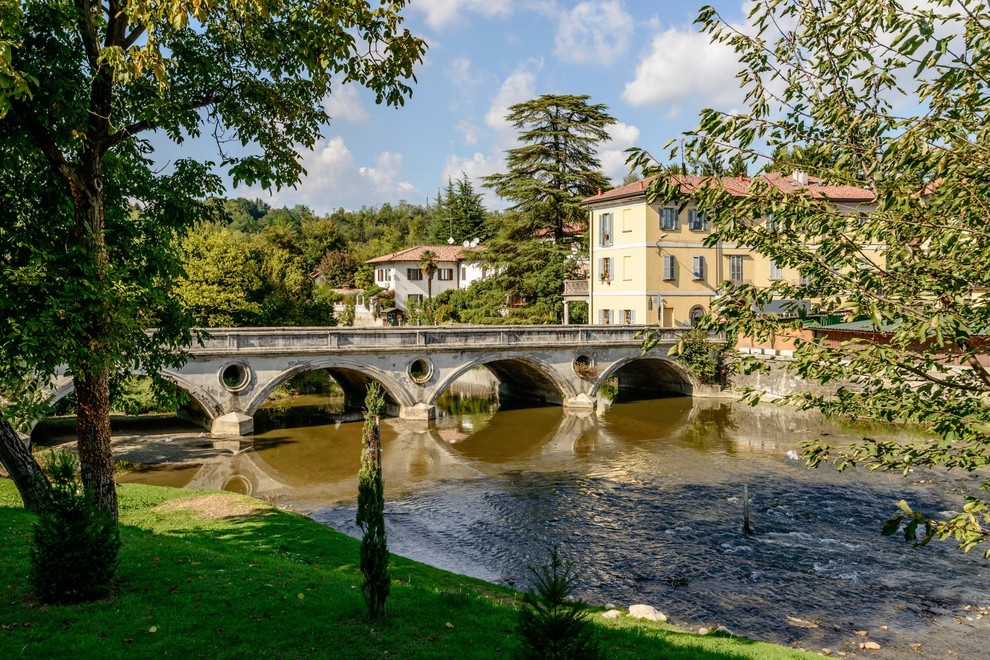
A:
(649, 264)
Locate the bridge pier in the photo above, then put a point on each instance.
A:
(580, 404)
(234, 423)
(418, 412)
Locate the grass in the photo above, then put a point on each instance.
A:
(218, 575)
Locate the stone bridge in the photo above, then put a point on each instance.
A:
(232, 373)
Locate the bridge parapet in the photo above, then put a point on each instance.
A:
(307, 340)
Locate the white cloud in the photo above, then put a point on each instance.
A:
(468, 131)
(334, 180)
(516, 88)
(459, 73)
(612, 154)
(440, 14)
(683, 68)
(387, 176)
(344, 103)
(594, 32)
(476, 167)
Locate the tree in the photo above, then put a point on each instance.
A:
(371, 507)
(337, 268)
(80, 85)
(428, 263)
(221, 277)
(555, 167)
(552, 624)
(892, 98)
(459, 214)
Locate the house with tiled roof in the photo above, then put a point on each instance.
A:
(402, 271)
(649, 261)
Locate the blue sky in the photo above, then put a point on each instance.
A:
(644, 59)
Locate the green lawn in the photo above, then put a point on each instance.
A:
(218, 575)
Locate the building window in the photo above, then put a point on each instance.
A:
(698, 268)
(669, 266)
(736, 268)
(383, 274)
(668, 219)
(415, 297)
(605, 269)
(445, 274)
(775, 272)
(463, 272)
(627, 268)
(805, 279)
(605, 230)
(605, 316)
(772, 225)
(696, 313)
(414, 273)
(697, 220)
(629, 317)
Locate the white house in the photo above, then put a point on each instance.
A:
(402, 272)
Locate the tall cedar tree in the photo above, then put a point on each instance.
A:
(556, 165)
(824, 77)
(81, 84)
(371, 507)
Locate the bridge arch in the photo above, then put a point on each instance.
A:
(209, 406)
(644, 373)
(351, 375)
(522, 377)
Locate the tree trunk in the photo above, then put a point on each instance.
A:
(25, 472)
(93, 432)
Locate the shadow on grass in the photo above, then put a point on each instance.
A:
(272, 583)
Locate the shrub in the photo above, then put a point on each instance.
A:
(554, 626)
(75, 544)
(706, 361)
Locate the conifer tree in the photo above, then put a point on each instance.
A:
(556, 165)
(371, 508)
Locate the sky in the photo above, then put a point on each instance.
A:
(642, 58)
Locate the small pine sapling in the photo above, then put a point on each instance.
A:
(552, 625)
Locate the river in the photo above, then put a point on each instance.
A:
(647, 499)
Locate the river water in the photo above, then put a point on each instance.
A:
(647, 499)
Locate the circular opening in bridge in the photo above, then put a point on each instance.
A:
(235, 376)
(584, 367)
(420, 370)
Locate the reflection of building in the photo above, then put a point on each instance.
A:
(649, 263)
(402, 271)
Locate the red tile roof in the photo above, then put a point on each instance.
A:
(739, 186)
(445, 254)
(570, 229)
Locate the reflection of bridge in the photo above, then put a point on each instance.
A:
(235, 370)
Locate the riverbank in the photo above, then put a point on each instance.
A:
(208, 574)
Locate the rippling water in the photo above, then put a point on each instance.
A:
(648, 500)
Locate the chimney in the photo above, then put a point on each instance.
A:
(599, 192)
(642, 184)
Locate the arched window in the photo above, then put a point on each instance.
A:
(696, 313)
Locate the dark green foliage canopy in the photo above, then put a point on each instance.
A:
(459, 214)
(556, 165)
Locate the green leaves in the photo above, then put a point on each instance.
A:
(911, 267)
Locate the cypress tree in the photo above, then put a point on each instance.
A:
(371, 508)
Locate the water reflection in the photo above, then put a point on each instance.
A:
(649, 498)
